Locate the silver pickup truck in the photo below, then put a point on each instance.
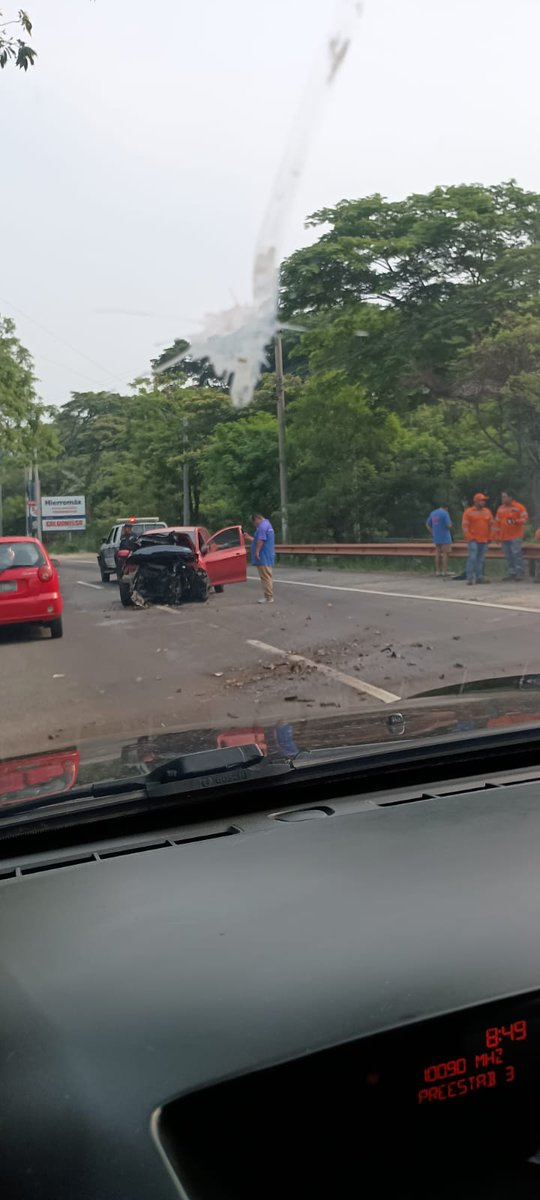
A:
(109, 546)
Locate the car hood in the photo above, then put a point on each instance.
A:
(488, 705)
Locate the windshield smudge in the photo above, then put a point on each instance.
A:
(235, 341)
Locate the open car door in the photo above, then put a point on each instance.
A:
(224, 557)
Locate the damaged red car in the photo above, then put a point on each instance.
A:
(171, 566)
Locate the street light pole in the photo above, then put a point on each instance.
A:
(282, 445)
(186, 474)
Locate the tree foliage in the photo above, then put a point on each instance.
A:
(23, 430)
(13, 47)
(411, 340)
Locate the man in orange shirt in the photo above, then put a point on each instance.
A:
(510, 523)
(477, 524)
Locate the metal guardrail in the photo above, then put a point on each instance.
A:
(531, 550)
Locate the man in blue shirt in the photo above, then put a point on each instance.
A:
(263, 554)
(439, 526)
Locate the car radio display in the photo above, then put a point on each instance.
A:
(493, 1063)
(449, 1105)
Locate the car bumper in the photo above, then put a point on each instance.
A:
(24, 609)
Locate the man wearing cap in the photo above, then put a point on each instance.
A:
(126, 542)
(477, 524)
(510, 523)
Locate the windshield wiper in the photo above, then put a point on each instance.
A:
(182, 776)
(204, 764)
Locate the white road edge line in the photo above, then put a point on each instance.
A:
(83, 583)
(330, 672)
(335, 587)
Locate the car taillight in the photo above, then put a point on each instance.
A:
(45, 574)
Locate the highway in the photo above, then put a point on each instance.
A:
(333, 640)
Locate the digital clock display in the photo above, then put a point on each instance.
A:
(448, 1107)
(490, 1064)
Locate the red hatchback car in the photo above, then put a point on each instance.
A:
(222, 555)
(29, 587)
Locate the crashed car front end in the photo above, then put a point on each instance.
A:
(163, 570)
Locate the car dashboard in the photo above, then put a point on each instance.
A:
(317, 1000)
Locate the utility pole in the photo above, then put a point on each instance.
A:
(29, 501)
(282, 445)
(186, 473)
(37, 498)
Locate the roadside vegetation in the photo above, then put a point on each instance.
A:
(414, 380)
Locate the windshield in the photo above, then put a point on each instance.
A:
(139, 527)
(20, 554)
(275, 284)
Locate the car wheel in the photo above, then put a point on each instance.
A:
(105, 575)
(219, 587)
(199, 590)
(125, 595)
(57, 629)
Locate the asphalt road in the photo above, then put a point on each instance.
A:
(363, 640)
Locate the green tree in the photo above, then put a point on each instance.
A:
(500, 379)
(23, 427)
(169, 426)
(240, 469)
(423, 276)
(338, 446)
(198, 372)
(13, 48)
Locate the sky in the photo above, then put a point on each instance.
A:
(138, 155)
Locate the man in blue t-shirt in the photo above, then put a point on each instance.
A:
(263, 554)
(439, 526)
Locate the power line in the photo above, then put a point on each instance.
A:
(63, 342)
(72, 370)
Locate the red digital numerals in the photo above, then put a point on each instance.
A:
(448, 1080)
(456, 1066)
(516, 1032)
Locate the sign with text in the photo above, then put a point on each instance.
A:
(63, 513)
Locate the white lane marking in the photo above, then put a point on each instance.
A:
(335, 587)
(97, 586)
(115, 621)
(330, 672)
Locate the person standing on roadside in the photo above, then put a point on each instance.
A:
(477, 524)
(510, 521)
(439, 526)
(263, 554)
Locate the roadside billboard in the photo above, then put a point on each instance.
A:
(63, 513)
